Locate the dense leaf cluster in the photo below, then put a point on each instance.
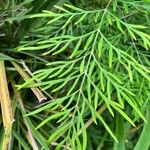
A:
(94, 69)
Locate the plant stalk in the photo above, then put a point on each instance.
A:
(6, 108)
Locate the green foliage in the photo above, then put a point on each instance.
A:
(86, 60)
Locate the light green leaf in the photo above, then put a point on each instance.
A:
(125, 6)
(69, 102)
(130, 72)
(44, 14)
(51, 50)
(54, 20)
(56, 63)
(91, 68)
(73, 86)
(80, 19)
(74, 52)
(110, 57)
(61, 8)
(67, 70)
(56, 73)
(119, 26)
(58, 132)
(107, 101)
(89, 41)
(133, 105)
(63, 48)
(137, 26)
(84, 134)
(131, 34)
(114, 5)
(67, 22)
(114, 77)
(146, 42)
(108, 90)
(123, 114)
(109, 19)
(96, 17)
(88, 88)
(35, 47)
(51, 117)
(104, 123)
(72, 7)
(60, 145)
(60, 87)
(144, 74)
(102, 81)
(48, 106)
(82, 65)
(96, 98)
(120, 99)
(49, 12)
(100, 46)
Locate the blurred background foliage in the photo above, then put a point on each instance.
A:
(18, 31)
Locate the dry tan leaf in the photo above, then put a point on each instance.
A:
(6, 108)
(26, 77)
